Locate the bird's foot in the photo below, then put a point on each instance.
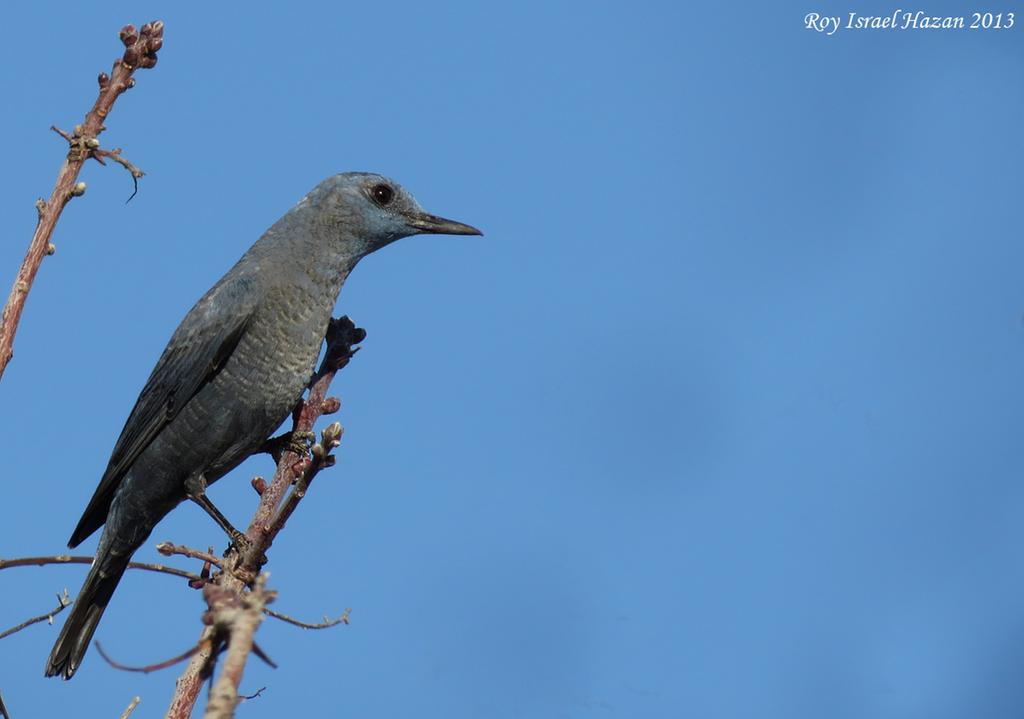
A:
(244, 546)
(297, 441)
(195, 488)
(239, 542)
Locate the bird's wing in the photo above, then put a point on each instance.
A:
(196, 353)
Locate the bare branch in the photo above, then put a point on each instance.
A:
(168, 550)
(70, 559)
(40, 561)
(63, 601)
(131, 707)
(6, 715)
(194, 580)
(149, 667)
(140, 52)
(325, 624)
(115, 155)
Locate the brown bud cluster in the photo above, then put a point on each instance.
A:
(141, 47)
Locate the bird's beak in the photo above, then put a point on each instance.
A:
(434, 225)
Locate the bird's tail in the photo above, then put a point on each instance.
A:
(66, 655)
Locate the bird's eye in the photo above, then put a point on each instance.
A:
(382, 194)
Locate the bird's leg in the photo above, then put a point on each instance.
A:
(296, 441)
(195, 489)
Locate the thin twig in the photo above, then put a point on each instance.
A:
(140, 52)
(81, 559)
(168, 550)
(6, 715)
(195, 580)
(131, 707)
(262, 655)
(342, 336)
(325, 624)
(115, 155)
(63, 601)
(149, 667)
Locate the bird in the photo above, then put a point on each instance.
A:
(233, 370)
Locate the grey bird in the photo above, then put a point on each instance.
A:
(232, 372)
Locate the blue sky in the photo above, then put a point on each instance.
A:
(720, 419)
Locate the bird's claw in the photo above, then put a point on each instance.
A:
(240, 542)
(297, 441)
(244, 546)
(242, 564)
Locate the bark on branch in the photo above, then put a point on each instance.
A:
(140, 52)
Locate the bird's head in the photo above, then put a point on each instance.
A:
(375, 211)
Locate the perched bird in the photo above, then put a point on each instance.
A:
(231, 373)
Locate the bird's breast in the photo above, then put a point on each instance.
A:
(275, 357)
